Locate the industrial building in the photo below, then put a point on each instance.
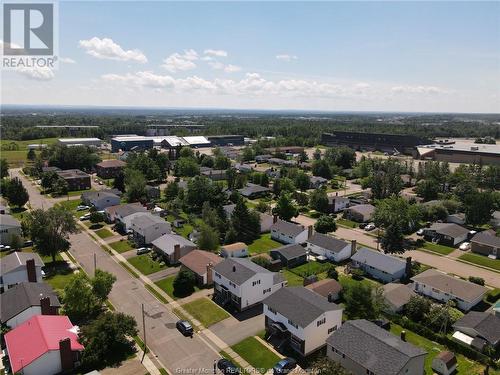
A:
(95, 142)
(374, 141)
(166, 129)
(226, 140)
(129, 143)
(461, 152)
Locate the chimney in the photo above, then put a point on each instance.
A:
(177, 253)
(309, 231)
(403, 335)
(210, 275)
(66, 354)
(408, 267)
(45, 307)
(353, 247)
(275, 218)
(31, 270)
(234, 268)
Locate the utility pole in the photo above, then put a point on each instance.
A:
(95, 263)
(144, 333)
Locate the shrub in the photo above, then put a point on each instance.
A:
(262, 261)
(357, 274)
(476, 280)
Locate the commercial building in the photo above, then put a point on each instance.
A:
(226, 140)
(131, 143)
(75, 178)
(95, 142)
(461, 152)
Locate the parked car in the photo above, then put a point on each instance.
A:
(420, 232)
(28, 243)
(464, 246)
(370, 227)
(85, 217)
(44, 275)
(284, 366)
(4, 247)
(184, 327)
(227, 367)
(362, 225)
(143, 250)
(82, 207)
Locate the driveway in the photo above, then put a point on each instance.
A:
(232, 330)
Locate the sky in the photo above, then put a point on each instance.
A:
(333, 56)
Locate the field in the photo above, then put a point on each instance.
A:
(18, 151)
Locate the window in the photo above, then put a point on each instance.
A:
(292, 324)
(320, 322)
(232, 284)
(257, 282)
(217, 275)
(266, 291)
(330, 330)
(272, 310)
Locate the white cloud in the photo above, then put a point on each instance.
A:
(285, 57)
(37, 73)
(426, 90)
(180, 62)
(67, 60)
(141, 79)
(230, 68)
(106, 48)
(215, 52)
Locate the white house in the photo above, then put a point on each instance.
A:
(126, 221)
(337, 204)
(9, 227)
(288, 233)
(236, 250)
(100, 199)
(240, 283)
(442, 287)
(20, 267)
(330, 247)
(147, 228)
(301, 319)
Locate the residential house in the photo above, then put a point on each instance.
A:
(478, 329)
(44, 345)
(495, 219)
(172, 247)
(252, 191)
(10, 227)
(396, 296)
(337, 204)
(315, 182)
(201, 263)
(100, 199)
(20, 267)
(237, 250)
(448, 234)
(327, 288)
(289, 233)
(442, 287)
(25, 300)
(4, 210)
(263, 158)
(241, 284)
(118, 212)
(292, 255)
(109, 168)
(75, 178)
(147, 228)
(215, 174)
(330, 247)
(244, 168)
(361, 213)
(458, 218)
(362, 348)
(299, 319)
(152, 192)
(445, 363)
(380, 266)
(486, 243)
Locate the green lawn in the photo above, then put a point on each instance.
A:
(185, 230)
(145, 264)
(293, 279)
(256, 354)
(481, 260)
(263, 244)
(104, 233)
(311, 268)
(70, 204)
(121, 246)
(440, 249)
(59, 279)
(347, 223)
(167, 285)
(23, 145)
(205, 311)
(465, 366)
(15, 158)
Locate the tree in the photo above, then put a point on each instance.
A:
(344, 157)
(302, 181)
(285, 208)
(96, 217)
(325, 224)
(222, 162)
(102, 283)
(362, 301)
(318, 200)
(325, 366)
(59, 187)
(119, 181)
(145, 164)
(245, 223)
(317, 154)
(186, 152)
(79, 157)
(16, 193)
(303, 157)
(184, 282)
(321, 168)
(31, 154)
(284, 184)
(231, 178)
(397, 211)
(4, 168)
(478, 207)
(393, 241)
(417, 308)
(135, 185)
(428, 189)
(435, 212)
(172, 190)
(110, 334)
(16, 242)
(49, 230)
(332, 273)
(186, 167)
(209, 238)
(47, 179)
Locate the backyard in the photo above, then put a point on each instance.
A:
(256, 354)
(263, 244)
(145, 264)
(205, 311)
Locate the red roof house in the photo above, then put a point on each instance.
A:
(43, 345)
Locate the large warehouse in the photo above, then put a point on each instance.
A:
(169, 142)
(461, 153)
(227, 140)
(128, 143)
(96, 142)
(374, 141)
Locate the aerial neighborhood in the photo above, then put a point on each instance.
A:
(356, 254)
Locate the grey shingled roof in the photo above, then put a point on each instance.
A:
(239, 270)
(129, 209)
(301, 305)
(167, 242)
(252, 189)
(487, 238)
(287, 228)
(290, 251)
(397, 294)
(485, 324)
(378, 260)
(24, 295)
(449, 229)
(18, 259)
(363, 209)
(327, 242)
(372, 347)
(145, 221)
(448, 284)
(7, 220)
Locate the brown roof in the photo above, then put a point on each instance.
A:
(197, 260)
(488, 238)
(397, 294)
(111, 163)
(325, 287)
(237, 246)
(448, 358)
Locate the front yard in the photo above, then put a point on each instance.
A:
(121, 246)
(205, 311)
(256, 354)
(481, 260)
(347, 223)
(145, 264)
(104, 233)
(439, 249)
(263, 244)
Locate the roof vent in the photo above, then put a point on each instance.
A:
(234, 268)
